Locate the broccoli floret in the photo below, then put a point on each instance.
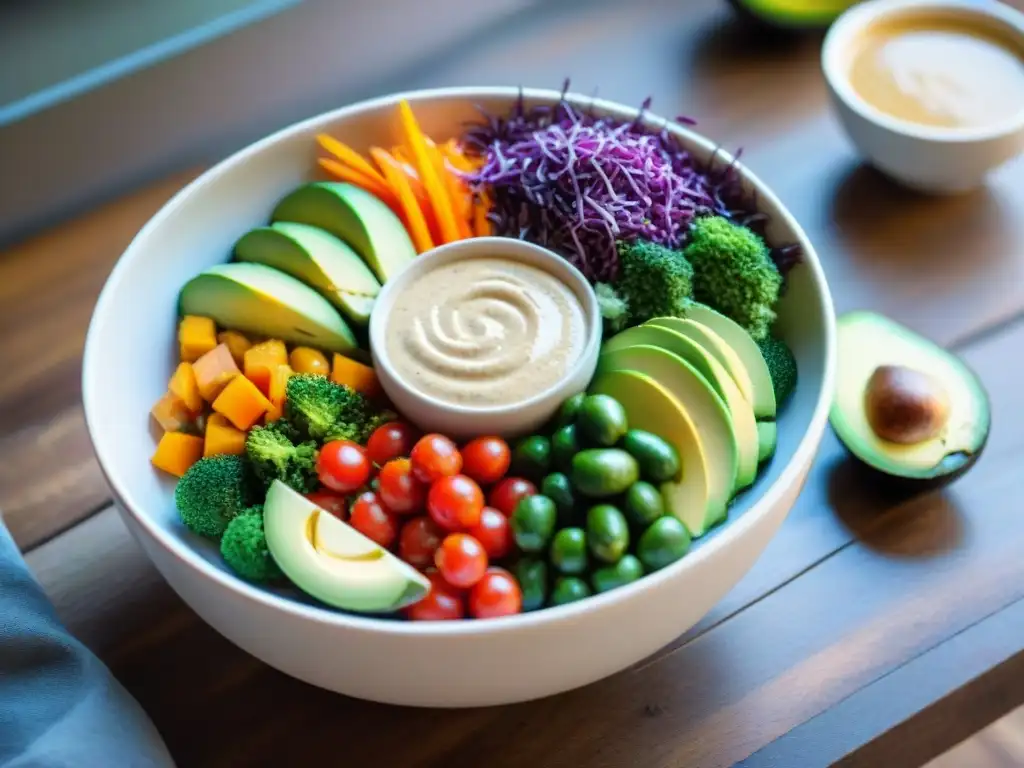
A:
(734, 273)
(244, 548)
(614, 308)
(360, 428)
(654, 281)
(275, 457)
(324, 410)
(213, 492)
(781, 367)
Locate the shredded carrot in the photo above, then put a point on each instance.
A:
(379, 189)
(398, 181)
(481, 207)
(349, 156)
(436, 191)
(398, 152)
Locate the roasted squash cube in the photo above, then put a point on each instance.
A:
(183, 384)
(171, 413)
(222, 437)
(196, 336)
(214, 370)
(241, 403)
(237, 343)
(176, 452)
(278, 386)
(351, 373)
(261, 360)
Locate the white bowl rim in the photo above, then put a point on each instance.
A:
(191, 558)
(513, 250)
(859, 16)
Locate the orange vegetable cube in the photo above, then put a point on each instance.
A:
(214, 370)
(361, 378)
(196, 336)
(241, 402)
(222, 437)
(278, 386)
(237, 343)
(176, 452)
(183, 384)
(171, 413)
(309, 360)
(262, 359)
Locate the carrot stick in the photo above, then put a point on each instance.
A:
(353, 176)
(481, 207)
(401, 160)
(428, 175)
(455, 191)
(417, 224)
(348, 156)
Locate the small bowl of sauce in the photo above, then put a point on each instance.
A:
(930, 91)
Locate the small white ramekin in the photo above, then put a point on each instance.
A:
(928, 159)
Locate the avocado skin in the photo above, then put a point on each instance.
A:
(785, 22)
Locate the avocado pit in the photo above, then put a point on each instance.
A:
(904, 405)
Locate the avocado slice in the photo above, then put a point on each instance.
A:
(357, 217)
(792, 14)
(746, 349)
(767, 439)
(931, 410)
(740, 410)
(319, 259)
(705, 409)
(332, 561)
(649, 406)
(257, 299)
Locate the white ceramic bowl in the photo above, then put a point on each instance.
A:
(514, 419)
(130, 353)
(932, 160)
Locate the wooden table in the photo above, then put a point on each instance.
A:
(873, 631)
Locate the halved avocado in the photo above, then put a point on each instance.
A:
(355, 216)
(767, 439)
(904, 406)
(740, 410)
(257, 299)
(332, 561)
(319, 259)
(649, 406)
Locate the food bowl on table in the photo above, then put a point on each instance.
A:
(382, 657)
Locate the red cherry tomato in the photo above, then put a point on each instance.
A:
(332, 502)
(506, 494)
(461, 559)
(390, 441)
(419, 540)
(370, 518)
(493, 532)
(496, 594)
(442, 603)
(343, 466)
(486, 459)
(399, 490)
(433, 457)
(455, 503)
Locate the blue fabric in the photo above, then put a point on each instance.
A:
(59, 705)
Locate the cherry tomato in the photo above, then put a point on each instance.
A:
(419, 540)
(455, 503)
(443, 602)
(343, 466)
(433, 457)
(496, 594)
(486, 459)
(493, 532)
(399, 490)
(372, 519)
(390, 441)
(461, 559)
(506, 494)
(332, 502)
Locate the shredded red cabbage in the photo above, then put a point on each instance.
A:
(576, 182)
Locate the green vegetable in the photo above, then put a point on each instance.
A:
(569, 551)
(653, 281)
(734, 273)
(244, 547)
(607, 533)
(532, 575)
(213, 492)
(564, 445)
(322, 410)
(557, 487)
(601, 419)
(531, 457)
(602, 472)
(533, 522)
(275, 457)
(569, 589)
(781, 367)
(614, 308)
(567, 411)
(628, 569)
(643, 504)
(658, 460)
(664, 542)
